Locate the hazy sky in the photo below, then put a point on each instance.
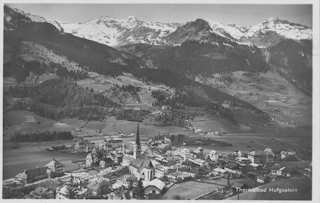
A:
(242, 15)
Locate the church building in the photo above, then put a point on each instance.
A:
(141, 167)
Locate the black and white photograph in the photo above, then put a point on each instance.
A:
(173, 100)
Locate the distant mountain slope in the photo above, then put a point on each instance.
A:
(257, 34)
(193, 59)
(294, 61)
(88, 54)
(198, 51)
(12, 16)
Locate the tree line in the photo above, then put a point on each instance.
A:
(41, 136)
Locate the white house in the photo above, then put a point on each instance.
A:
(56, 167)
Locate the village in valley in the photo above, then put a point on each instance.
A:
(181, 106)
(155, 169)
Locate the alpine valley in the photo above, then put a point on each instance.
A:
(172, 77)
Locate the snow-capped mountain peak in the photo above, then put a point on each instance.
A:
(132, 18)
(31, 18)
(282, 28)
(114, 32)
(272, 19)
(117, 32)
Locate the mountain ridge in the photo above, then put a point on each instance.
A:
(119, 32)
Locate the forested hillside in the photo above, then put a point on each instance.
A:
(59, 98)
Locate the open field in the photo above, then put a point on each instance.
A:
(224, 181)
(287, 139)
(211, 125)
(16, 160)
(26, 121)
(190, 190)
(30, 119)
(112, 125)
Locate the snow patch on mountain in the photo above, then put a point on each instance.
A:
(281, 27)
(112, 32)
(235, 31)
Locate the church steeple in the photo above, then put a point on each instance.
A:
(138, 136)
(137, 145)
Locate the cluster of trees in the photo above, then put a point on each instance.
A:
(41, 136)
(171, 118)
(124, 92)
(130, 88)
(63, 72)
(209, 142)
(192, 97)
(20, 69)
(177, 139)
(139, 190)
(305, 154)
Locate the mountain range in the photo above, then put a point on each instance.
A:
(116, 32)
(200, 60)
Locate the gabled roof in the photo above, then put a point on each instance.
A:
(141, 163)
(33, 172)
(64, 190)
(255, 153)
(54, 164)
(40, 190)
(156, 183)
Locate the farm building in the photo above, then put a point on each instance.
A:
(243, 160)
(213, 155)
(57, 169)
(285, 154)
(154, 187)
(277, 170)
(32, 175)
(266, 156)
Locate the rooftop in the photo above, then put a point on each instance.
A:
(54, 164)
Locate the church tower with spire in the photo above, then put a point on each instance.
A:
(137, 145)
